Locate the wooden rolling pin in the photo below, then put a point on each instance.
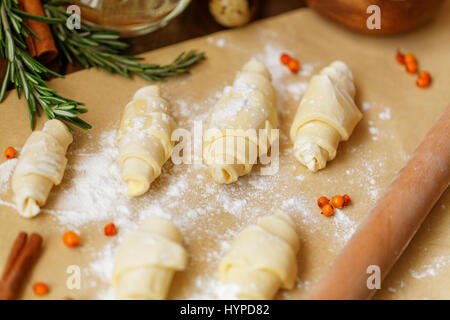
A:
(387, 230)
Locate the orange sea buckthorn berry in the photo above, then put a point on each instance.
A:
(285, 58)
(294, 65)
(411, 68)
(322, 201)
(424, 79)
(110, 229)
(71, 239)
(347, 199)
(338, 201)
(410, 59)
(411, 63)
(327, 210)
(10, 153)
(400, 57)
(40, 288)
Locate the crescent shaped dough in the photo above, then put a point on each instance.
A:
(326, 115)
(144, 139)
(148, 259)
(41, 166)
(233, 140)
(262, 258)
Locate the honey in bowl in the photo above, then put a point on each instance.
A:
(130, 17)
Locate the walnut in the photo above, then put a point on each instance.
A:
(230, 13)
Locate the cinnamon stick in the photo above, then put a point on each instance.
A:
(386, 231)
(14, 254)
(43, 49)
(20, 261)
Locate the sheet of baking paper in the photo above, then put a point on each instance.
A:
(397, 115)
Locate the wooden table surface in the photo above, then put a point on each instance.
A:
(195, 21)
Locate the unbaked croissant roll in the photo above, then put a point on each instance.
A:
(148, 259)
(262, 258)
(41, 166)
(248, 105)
(327, 114)
(144, 139)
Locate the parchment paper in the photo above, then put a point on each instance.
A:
(397, 115)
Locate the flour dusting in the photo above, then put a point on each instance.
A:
(385, 115)
(93, 192)
(287, 85)
(432, 269)
(6, 171)
(345, 226)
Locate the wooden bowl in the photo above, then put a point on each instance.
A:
(396, 15)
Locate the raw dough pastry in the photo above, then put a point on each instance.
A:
(41, 165)
(326, 115)
(262, 258)
(144, 139)
(148, 259)
(248, 105)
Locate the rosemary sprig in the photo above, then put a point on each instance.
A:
(27, 74)
(100, 48)
(91, 46)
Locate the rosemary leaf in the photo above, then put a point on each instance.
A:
(102, 48)
(26, 73)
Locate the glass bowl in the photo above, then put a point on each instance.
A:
(131, 17)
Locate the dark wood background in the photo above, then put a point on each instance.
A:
(196, 21)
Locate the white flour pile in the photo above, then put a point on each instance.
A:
(95, 191)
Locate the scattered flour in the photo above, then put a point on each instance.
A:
(287, 85)
(297, 89)
(220, 42)
(6, 171)
(300, 284)
(183, 107)
(271, 58)
(228, 291)
(397, 288)
(93, 192)
(375, 132)
(178, 189)
(345, 227)
(103, 263)
(365, 106)
(385, 115)
(432, 269)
